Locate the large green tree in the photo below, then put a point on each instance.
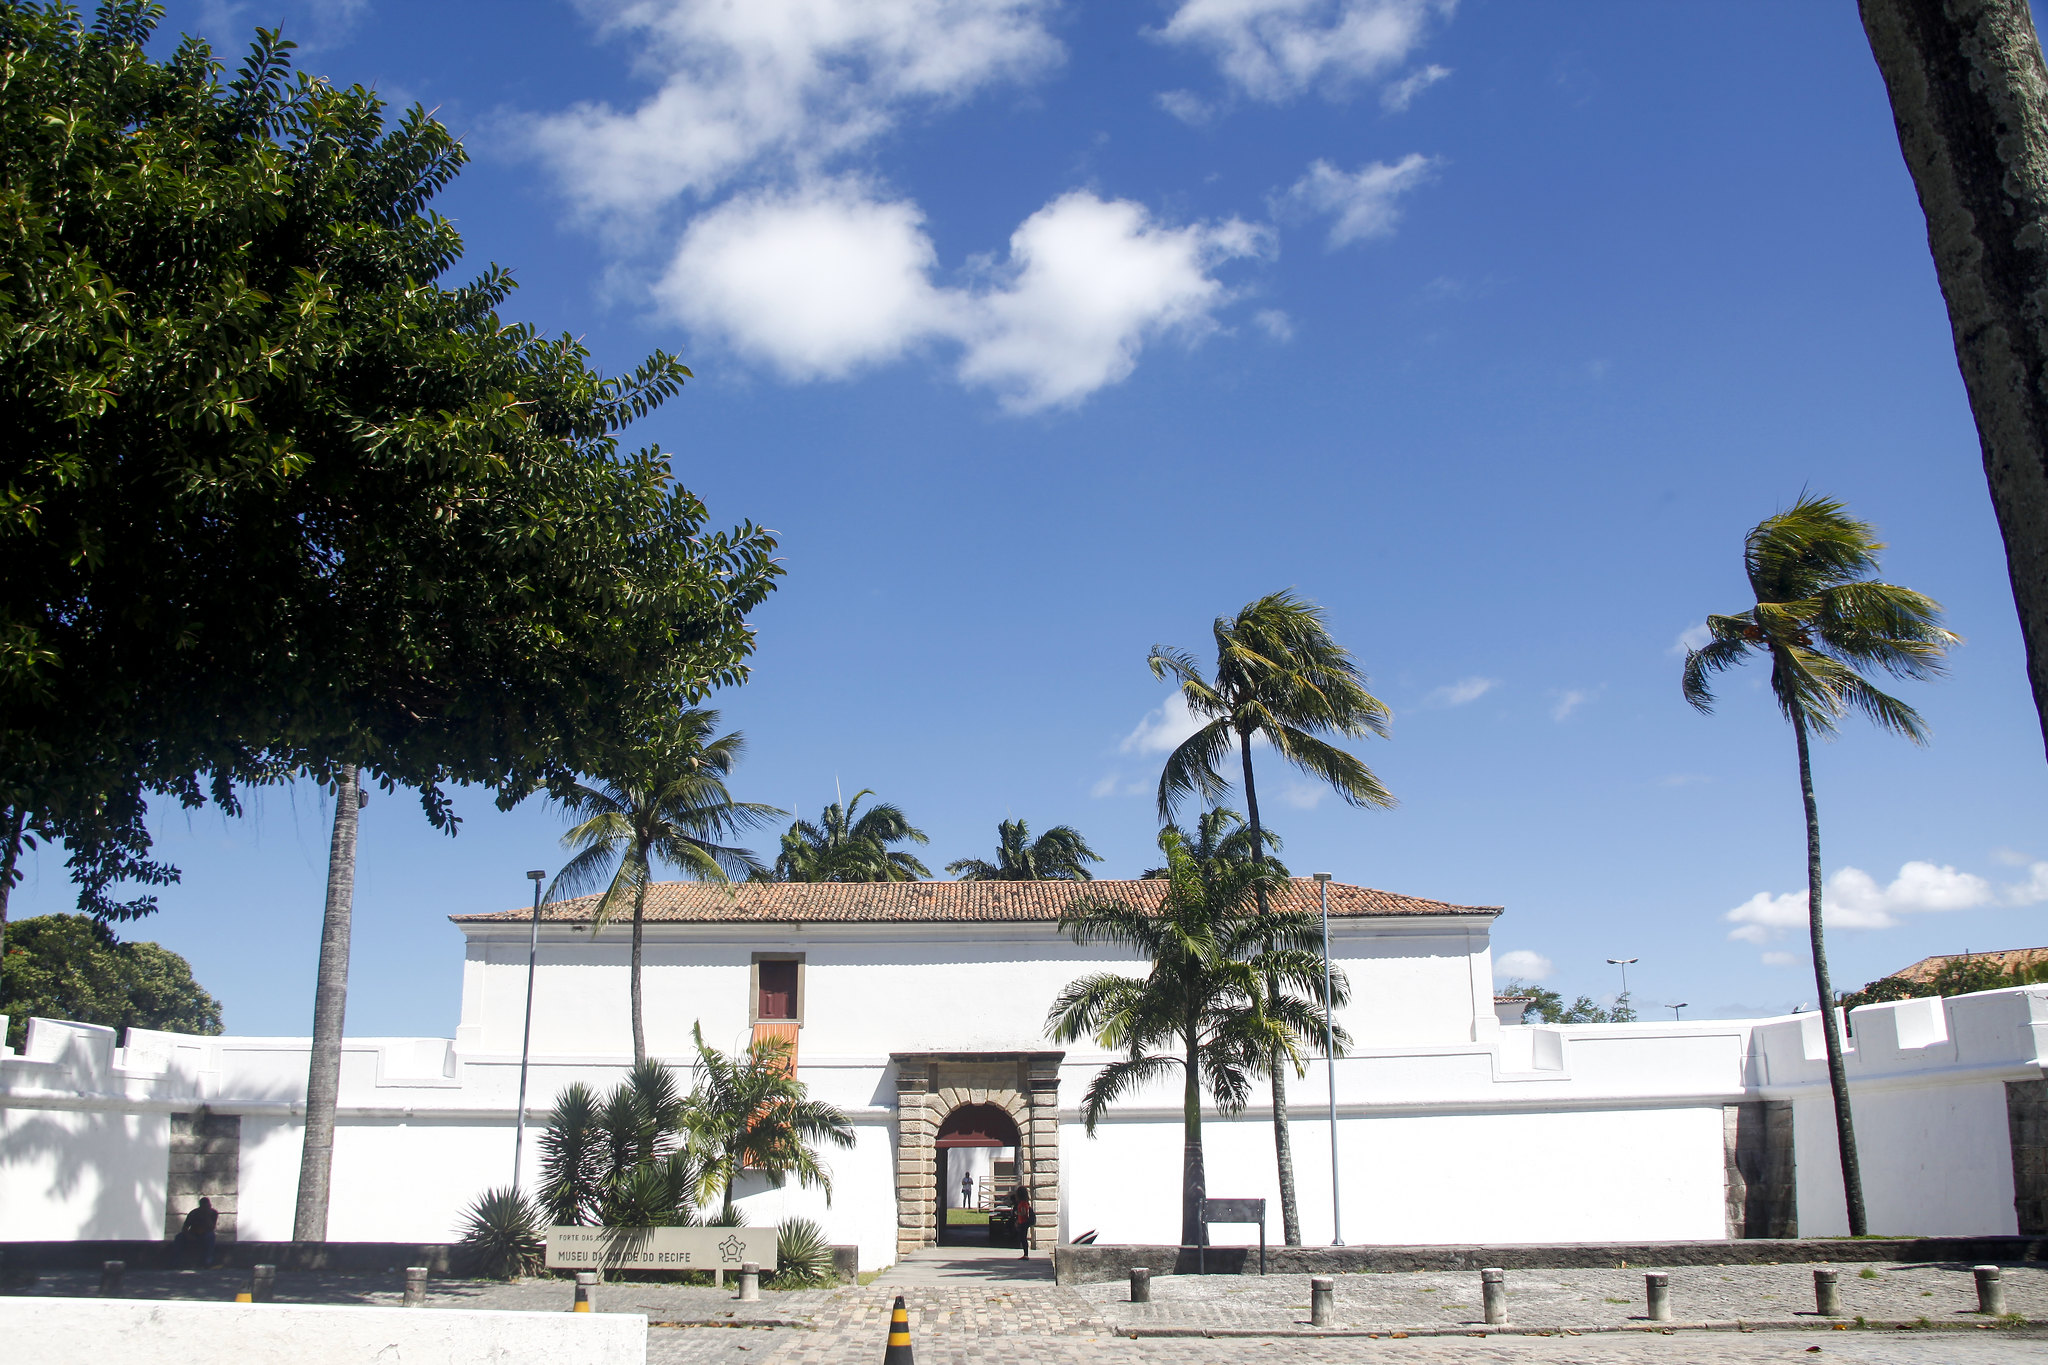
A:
(276, 499)
(661, 800)
(1281, 677)
(1058, 855)
(73, 967)
(1228, 987)
(848, 844)
(1819, 617)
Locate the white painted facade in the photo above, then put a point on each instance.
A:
(1452, 1127)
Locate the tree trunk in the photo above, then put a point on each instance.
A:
(1283, 1141)
(1194, 1178)
(1969, 96)
(9, 857)
(1831, 1031)
(330, 1003)
(633, 987)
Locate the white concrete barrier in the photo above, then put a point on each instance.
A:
(52, 1331)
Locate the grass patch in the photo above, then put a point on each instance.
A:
(1866, 1273)
(966, 1218)
(1616, 1300)
(868, 1277)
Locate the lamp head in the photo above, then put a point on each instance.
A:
(1321, 876)
(535, 875)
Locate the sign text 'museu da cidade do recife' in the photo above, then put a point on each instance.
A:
(571, 1248)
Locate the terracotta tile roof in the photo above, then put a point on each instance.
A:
(942, 902)
(2005, 960)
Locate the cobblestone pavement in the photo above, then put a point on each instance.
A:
(1566, 1298)
(715, 1346)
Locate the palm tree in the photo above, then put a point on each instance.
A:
(1819, 617)
(1278, 675)
(750, 1111)
(665, 800)
(623, 1161)
(330, 1008)
(851, 845)
(1058, 855)
(1221, 835)
(1230, 987)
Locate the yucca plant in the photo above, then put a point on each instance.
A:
(505, 1233)
(749, 1111)
(803, 1258)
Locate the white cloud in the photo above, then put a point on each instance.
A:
(817, 281)
(1691, 638)
(1303, 795)
(1275, 324)
(1460, 692)
(1521, 964)
(1362, 201)
(1397, 97)
(1104, 786)
(1780, 959)
(2011, 857)
(788, 81)
(1854, 900)
(1163, 728)
(1187, 106)
(1569, 701)
(827, 277)
(1090, 281)
(1274, 50)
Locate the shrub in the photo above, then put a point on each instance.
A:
(803, 1258)
(505, 1232)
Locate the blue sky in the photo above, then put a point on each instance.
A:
(1043, 333)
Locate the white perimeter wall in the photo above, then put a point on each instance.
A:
(1567, 1133)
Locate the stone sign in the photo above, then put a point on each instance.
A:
(572, 1248)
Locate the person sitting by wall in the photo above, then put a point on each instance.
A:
(196, 1239)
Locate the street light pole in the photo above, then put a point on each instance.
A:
(1624, 963)
(1330, 1065)
(1683, 1004)
(526, 1037)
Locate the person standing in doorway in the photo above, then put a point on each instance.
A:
(1025, 1218)
(966, 1190)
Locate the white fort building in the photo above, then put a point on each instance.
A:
(919, 1008)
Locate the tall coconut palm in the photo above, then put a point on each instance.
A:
(1229, 987)
(1058, 855)
(749, 1111)
(1280, 676)
(851, 845)
(1221, 835)
(665, 801)
(1819, 617)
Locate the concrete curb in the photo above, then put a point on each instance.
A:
(1653, 1329)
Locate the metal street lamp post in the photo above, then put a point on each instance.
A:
(1624, 963)
(1683, 1004)
(526, 1037)
(1330, 1064)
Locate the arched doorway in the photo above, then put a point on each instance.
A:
(977, 1148)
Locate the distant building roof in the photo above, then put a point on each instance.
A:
(2005, 960)
(946, 902)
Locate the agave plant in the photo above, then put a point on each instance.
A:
(803, 1258)
(504, 1231)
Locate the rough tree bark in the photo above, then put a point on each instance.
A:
(330, 1002)
(10, 840)
(1969, 95)
(1283, 1141)
(633, 985)
(1194, 1178)
(1830, 1025)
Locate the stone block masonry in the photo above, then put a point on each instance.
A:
(205, 1160)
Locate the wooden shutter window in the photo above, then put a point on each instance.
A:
(778, 990)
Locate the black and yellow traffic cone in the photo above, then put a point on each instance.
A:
(899, 1336)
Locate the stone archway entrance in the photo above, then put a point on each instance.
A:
(981, 1186)
(997, 1095)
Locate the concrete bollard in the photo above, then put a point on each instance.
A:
(415, 1286)
(1827, 1293)
(586, 1292)
(1493, 1293)
(1657, 1294)
(750, 1281)
(1322, 1300)
(1990, 1291)
(262, 1280)
(1141, 1284)
(110, 1277)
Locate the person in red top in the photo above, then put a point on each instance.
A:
(1025, 1218)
